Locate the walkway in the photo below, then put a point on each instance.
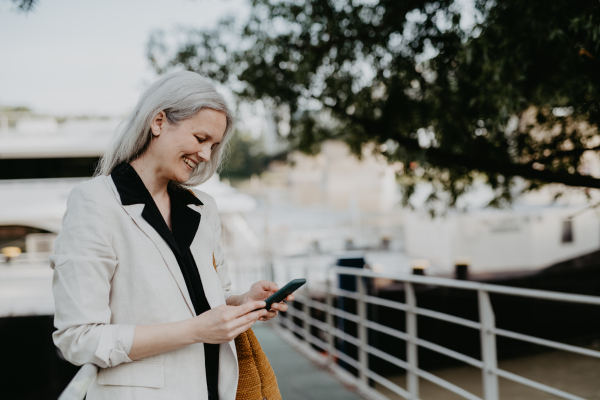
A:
(298, 378)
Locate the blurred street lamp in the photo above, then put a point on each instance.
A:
(10, 252)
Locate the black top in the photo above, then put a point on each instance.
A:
(184, 222)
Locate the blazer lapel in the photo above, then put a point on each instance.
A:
(201, 249)
(135, 212)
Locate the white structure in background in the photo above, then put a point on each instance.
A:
(25, 282)
(45, 138)
(533, 234)
(338, 179)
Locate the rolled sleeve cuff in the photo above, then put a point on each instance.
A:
(115, 344)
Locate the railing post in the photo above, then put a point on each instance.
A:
(329, 318)
(305, 323)
(488, 347)
(412, 357)
(361, 306)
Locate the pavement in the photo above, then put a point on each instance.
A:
(297, 377)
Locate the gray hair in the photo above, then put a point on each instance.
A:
(180, 95)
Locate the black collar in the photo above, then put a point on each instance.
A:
(184, 220)
(132, 190)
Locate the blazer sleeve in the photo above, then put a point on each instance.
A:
(84, 263)
(218, 253)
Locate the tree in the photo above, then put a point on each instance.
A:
(513, 95)
(245, 157)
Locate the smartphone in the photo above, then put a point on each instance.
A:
(282, 293)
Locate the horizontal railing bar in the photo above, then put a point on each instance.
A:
(548, 343)
(316, 341)
(344, 314)
(448, 318)
(392, 332)
(447, 385)
(450, 353)
(387, 330)
(442, 282)
(421, 311)
(334, 311)
(388, 384)
(423, 374)
(344, 336)
(378, 353)
(340, 334)
(469, 285)
(311, 303)
(386, 303)
(536, 385)
(501, 332)
(318, 324)
(346, 358)
(387, 357)
(344, 293)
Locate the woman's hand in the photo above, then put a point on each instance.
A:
(261, 290)
(224, 323)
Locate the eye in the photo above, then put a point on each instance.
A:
(214, 146)
(200, 140)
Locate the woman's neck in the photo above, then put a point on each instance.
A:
(152, 176)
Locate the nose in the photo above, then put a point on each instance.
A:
(204, 153)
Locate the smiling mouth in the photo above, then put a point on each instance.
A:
(189, 162)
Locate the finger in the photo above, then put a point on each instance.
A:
(290, 297)
(278, 306)
(250, 306)
(271, 314)
(243, 328)
(253, 316)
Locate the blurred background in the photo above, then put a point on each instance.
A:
(450, 139)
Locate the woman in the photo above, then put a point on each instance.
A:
(140, 282)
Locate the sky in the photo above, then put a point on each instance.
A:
(73, 57)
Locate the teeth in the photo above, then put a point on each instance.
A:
(189, 162)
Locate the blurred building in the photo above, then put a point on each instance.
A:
(338, 179)
(526, 237)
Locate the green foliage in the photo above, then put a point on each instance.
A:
(514, 95)
(25, 5)
(245, 157)
(17, 108)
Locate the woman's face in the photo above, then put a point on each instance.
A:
(178, 149)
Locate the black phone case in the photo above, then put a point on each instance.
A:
(282, 293)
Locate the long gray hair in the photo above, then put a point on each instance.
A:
(180, 95)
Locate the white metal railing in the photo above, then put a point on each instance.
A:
(486, 326)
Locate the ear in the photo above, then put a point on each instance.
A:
(158, 123)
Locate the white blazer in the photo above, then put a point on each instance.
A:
(113, 271)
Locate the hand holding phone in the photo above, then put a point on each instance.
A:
(282, 293)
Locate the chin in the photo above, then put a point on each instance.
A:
(182, 177)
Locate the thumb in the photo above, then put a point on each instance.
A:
(269, 286)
